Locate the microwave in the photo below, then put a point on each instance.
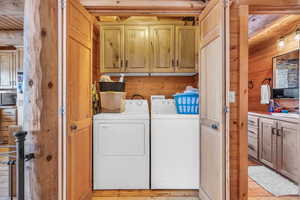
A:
(8, 99)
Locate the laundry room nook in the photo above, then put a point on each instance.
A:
(149, 92)
(146, 104)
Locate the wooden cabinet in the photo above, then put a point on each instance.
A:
(112, 48)
(19, 59)
(278, 144)
(186, 51)
(288, 149)
(8, 74)
(148, 48)
(136, 49)
(267, 142)
(8, 117)
(162, 48)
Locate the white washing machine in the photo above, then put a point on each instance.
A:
(121, 148)
(174, 147)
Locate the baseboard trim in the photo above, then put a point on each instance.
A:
(145, 193)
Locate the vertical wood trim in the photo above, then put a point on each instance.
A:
(33, 101)
(41, 98)
(243, 102)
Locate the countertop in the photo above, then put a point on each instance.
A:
(8, 107)
(270, 116)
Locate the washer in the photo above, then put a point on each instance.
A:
(174, 147)
(121, 148)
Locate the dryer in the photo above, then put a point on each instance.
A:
(121, 148)
(174, 147)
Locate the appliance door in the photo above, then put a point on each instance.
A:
(8, 99)
(121, 154)
(175, 153)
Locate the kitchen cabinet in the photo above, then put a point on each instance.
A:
(8, 74)
(19, 59)
(136, 49)
(8, 117)
(148, 48)
(112, 48)
(267, 142)
(186, 51)
(278, 143)
(288, 149)
(162, 48)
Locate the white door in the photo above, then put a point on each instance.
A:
(213, 101)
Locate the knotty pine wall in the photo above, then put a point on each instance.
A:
(147, 86)
(261, 67)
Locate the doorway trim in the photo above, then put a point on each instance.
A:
(258, 7)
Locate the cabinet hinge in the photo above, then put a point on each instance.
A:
(62, 110)
(63, 3)
(226, 109)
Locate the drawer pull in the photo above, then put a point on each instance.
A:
(251, 147)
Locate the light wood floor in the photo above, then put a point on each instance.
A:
(256, 192)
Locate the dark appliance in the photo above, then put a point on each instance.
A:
(286, 93)
(8, 98)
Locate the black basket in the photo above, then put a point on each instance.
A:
(112, 86)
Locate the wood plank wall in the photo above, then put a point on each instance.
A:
(238, 177)
(147, 86)
(261, 66)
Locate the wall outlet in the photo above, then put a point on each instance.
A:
(232, 97)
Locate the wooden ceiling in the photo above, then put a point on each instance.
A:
(275, 29)
(11, 15)
(8, 23)
(257, 23)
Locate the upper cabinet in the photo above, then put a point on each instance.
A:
(8, 79)
(148, 48)
(162, 48)
(186, 51)
(112, 48)
(136, 49)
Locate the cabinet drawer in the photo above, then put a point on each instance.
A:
(252, 147)
(253, 131)
(252, 121)
(8, 111)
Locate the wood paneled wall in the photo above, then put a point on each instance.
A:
(147, 86)
(261, 66)
(238, 169)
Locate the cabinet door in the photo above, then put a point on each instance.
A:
(112, 48)
(20, 59)
(267, 141)
(186, 48)
(136, 49)
(6, 70)
(288, 150)
(162, 48)
(14, 70)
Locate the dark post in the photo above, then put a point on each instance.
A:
(20, 140)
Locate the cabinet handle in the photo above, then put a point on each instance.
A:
(126, 64)
(177, 63)
(278, 132)
(252, 132)
(251, 147)
(273, 131)
(121, 63)
(173, 63)
(251, 122)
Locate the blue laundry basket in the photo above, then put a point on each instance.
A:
(187, 103)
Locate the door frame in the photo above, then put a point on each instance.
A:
(255, 7)
(261, 7)
(62, 64)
